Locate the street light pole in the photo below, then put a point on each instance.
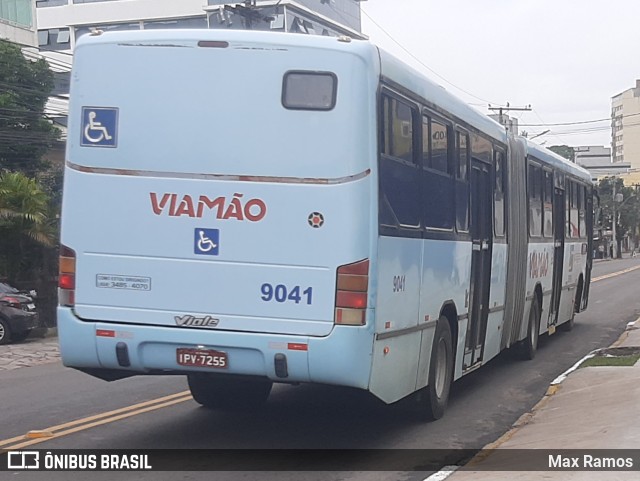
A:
(613, 223)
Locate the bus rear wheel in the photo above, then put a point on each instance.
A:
(436, 395)
(220, 392)
(568, 326)
(529, 345)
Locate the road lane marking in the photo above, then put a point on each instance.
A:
(97, 419)
(615, 274)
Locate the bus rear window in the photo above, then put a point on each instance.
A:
(309, 90)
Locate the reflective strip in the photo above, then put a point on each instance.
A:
(236, 178)
(408, 330)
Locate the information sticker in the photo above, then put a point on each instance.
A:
(134, 283)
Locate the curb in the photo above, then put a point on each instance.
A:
(555, 386)
(523, 420)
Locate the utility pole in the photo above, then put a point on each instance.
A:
(614, 222)
(508, 108)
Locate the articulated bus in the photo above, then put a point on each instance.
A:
(245, 208)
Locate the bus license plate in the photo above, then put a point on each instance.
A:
(201, 358)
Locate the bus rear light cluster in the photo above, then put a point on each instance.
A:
(351, 293)
(67, 277)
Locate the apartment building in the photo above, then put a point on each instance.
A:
(62, 22)
(17, 22)
(625, 131)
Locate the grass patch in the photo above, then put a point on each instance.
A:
(629, 360)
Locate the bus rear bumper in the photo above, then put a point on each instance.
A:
(342, 358)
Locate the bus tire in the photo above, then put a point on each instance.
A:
(440, 372)
(219, 392)
(529, 345)
(567, 326)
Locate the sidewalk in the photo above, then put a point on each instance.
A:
(590, 408)
(32, 352)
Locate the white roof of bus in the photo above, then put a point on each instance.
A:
(555, 160)
(184, 37)
(390, 67)
(419, 83)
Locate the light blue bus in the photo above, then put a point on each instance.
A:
(245, 208)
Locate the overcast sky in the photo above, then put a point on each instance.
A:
(566, 58)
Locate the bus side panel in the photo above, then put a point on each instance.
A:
(445, 279)
(539, 272)
(497, 302)
(395, 360)
(575, 263)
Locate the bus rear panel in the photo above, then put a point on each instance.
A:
(217, 212)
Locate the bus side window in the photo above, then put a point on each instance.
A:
(534, 192)
(575, 223)
(462, 183)
(437, 183)
(568, 208)
(399, 169)
(548, 204)
(462, 147)
(481, 148)
(401, 134)
(581, 210)
(426, 145)
(439, 147)
(498, 194)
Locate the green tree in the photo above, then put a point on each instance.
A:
(626, 208)
(564, 151)
(25, 224)
(25, 135)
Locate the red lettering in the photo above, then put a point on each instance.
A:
(158, 206)
(186, 207)
(254, 210)
(217, 203)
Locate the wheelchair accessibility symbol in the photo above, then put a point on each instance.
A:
(206, 242)
(99, 127)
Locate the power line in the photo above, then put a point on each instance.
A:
(594, 130)
(551, 133)
(580, 122)
(422, 63)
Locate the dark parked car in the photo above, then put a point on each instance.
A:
(18, 315)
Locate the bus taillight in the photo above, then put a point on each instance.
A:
(67, 277)
(351, 293)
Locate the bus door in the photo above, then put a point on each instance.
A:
(482, 239)
(589, 221)
(558, 246)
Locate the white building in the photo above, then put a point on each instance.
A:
(597, 160)
(62, 22)
(625, 130)
(17, 22)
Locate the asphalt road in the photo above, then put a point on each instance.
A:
(483, 406)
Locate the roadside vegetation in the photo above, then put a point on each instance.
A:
(30, 187)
